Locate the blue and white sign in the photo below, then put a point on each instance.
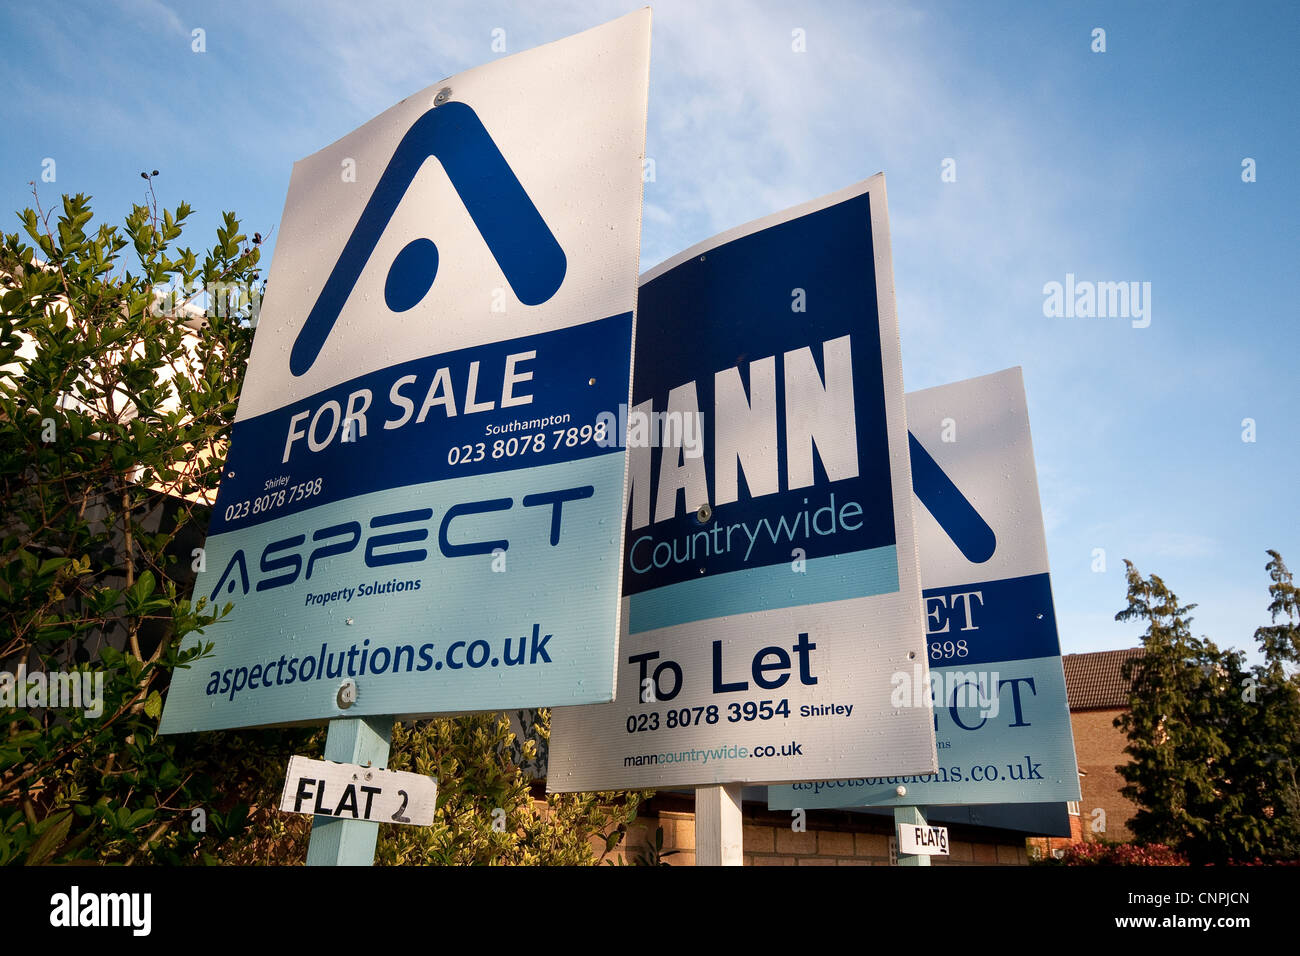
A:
(770, 583)
(1001, 717)
(420, 496)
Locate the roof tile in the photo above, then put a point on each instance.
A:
(1094, 681)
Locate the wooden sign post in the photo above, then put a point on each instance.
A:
(909, 817)
(339, 842)
(718, 829)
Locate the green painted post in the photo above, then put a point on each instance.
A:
(361, 740)
(909, 817)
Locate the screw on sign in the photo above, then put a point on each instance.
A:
(347, 695)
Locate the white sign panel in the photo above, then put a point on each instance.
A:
(770, 581)
(352, 792)
(922, 841)
(419, 496)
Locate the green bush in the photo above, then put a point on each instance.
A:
(113, 423)
(115, 417)
(487, 811)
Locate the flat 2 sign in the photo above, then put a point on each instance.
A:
(770, 581)
(352, 792)
(1001, 714)
(417, 497)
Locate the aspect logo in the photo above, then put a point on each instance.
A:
(518, 238)
(944, 500)
(283, 559)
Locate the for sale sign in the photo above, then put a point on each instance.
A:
(420, 497)
(995, 679)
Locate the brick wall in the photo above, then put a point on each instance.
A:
(832, 838)
(1040, 847)
(1099, 747)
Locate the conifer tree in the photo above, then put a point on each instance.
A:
(1212, 743)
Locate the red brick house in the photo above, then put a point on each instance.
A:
(1098, 693)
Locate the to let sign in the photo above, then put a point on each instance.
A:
(770, 580)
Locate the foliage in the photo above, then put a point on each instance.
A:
(1271, 745)
(1213, 743)
(487, 813)
(114, 418)
(1101, 853)
(651, 854)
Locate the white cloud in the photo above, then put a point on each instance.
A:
(154, 13)
(1172, 544)
(656, 214)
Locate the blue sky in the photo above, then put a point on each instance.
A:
(1117, 166)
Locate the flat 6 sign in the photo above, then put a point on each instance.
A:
(922, 841)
